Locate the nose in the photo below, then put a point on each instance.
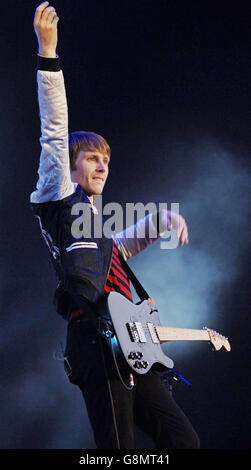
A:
(101, 166)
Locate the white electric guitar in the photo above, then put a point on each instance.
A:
(139, 334)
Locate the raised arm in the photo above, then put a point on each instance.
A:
(54, 180)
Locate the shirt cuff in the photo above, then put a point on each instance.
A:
(48, 64)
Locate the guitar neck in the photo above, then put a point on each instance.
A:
(176, 334)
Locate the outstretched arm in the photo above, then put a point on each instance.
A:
(54, 180)
(136, 238)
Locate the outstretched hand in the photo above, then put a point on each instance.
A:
(45, 25)
(172, 221)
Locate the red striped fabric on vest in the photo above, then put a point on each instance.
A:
(117, 279)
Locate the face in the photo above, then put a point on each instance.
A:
(91, 171)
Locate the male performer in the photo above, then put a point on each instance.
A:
(72, 170)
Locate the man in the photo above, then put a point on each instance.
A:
(72, 170)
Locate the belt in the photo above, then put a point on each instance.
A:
(75, 313)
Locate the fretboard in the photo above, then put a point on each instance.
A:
(175, 334)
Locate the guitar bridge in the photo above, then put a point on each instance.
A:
(136, 332)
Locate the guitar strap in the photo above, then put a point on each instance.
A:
(143, 295)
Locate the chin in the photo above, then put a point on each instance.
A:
(97, 193)
(97, 190)
(93, 191)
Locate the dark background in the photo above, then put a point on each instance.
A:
(167, 84)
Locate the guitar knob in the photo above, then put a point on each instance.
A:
(145, 364)
(132, 355)
(137, 365)
(139, 355)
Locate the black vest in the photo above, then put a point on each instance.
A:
(81, 270)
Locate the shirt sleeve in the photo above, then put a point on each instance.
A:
(137, 237)
(54, 179)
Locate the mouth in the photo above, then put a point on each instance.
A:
(98, 178)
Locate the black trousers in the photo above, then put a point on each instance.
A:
(112, 409)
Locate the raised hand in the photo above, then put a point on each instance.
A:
(45, 25)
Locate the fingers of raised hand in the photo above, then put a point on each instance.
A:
(45, 15)
(39, 12)
(48, 15)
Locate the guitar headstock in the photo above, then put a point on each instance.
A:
(218, 341)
